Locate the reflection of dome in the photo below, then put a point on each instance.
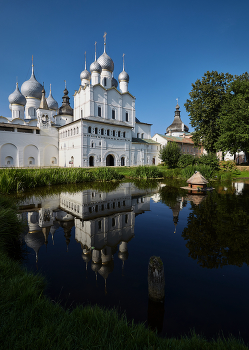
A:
(35, 240)
(105, 270)
(95, 266)
(31, 87)
(123, 255)
(123, 76)
(106, 62)
(16, 97)
(86, 257)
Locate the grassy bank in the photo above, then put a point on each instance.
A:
(29, 320)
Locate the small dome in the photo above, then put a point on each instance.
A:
(114, 82)
(123, 76)
(52, 104)
(31, 87)
(95, 67)
(16, 97)
(106, 62)
(95, 266)
(85, 75)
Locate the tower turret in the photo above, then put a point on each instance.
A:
(123, 79)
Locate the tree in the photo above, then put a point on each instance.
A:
(206, 98)
(170, 154)
(234, 117)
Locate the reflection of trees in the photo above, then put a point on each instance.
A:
(170, 195)
(218, 231)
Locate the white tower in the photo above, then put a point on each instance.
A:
(85, 76)
(95, 69)
(107, 66)
(17, 102)
(32, 91)
(123, 79)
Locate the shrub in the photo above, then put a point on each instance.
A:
(185, 160)
(210, 160)
(146, 172)
(227, 165)
(170, 154)
(205, 170)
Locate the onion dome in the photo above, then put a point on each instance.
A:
(65, 109)
(52, 104)
(31, 87)
(105, 270)
(16, 97)
(85, 74)
(105, 61)
(95, 67)
(86, 257)
(123, 255)
(114, 82)
(123, 76)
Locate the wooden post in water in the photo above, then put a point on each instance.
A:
(156, 280)
(156, 283)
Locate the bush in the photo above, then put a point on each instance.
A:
(205, 170)
(227, 165)
(170, 154)
(146, 172)
(185, 160)
(209, 159)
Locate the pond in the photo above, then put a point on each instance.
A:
(93, 245)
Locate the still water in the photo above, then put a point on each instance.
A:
(94, 246)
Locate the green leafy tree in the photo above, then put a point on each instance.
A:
(170, 154)
(233, 120)
(204, 105)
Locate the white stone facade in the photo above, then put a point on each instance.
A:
(101, 130)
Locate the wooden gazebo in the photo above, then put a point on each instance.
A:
(197, 181)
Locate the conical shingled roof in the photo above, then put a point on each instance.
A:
(197, 179)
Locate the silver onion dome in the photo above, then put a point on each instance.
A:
(114, 82)
(31, 87)
(85, 75)
(106, 62)
(52, 103)
(95, 67)
(16, 97)
(123, 76)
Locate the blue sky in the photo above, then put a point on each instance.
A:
(167, 46)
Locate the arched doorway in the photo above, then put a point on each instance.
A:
(154, 161)
(123, 161)
(91, 161)
(110, 160)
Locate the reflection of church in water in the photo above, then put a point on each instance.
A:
(104, 222)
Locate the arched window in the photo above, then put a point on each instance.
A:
(124, 134)
(89, 129)
(92, 144)
(108, 132)
(138, 135)
(99, 111)
(104, 81)
(113, 114)
(66, 133)
(96, 130)
(127, 116)
(81, 113)
(102, 131)
(118, 133)
(142, 136)
(74, 131)
(77, 130)
(113, 133)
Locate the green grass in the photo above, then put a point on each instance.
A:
(243, 174)
(29, 320)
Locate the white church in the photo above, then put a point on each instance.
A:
(101, 129)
